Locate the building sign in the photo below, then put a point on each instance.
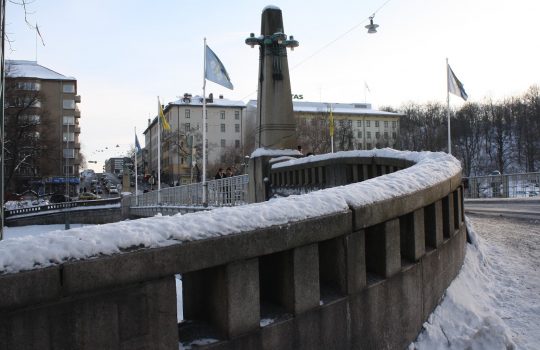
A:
(62, 180)
(297, 97)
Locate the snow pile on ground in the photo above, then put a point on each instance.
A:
(27, 253)
(467, 317)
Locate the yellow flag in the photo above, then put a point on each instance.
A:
(164, 122)
(331, 122)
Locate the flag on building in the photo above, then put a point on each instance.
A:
(137, 144)
(455, 86)
(215, 71)
(164, 122)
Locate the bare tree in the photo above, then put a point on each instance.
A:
(313, 133)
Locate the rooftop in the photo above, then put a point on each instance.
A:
(337, 108)
(31, 69)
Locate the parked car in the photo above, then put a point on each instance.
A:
(113, 190)
(87, 196)
(59, 198)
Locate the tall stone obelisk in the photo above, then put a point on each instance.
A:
(276, 126)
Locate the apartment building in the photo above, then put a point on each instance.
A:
(41, 129)
(181, 150)
(356, 126)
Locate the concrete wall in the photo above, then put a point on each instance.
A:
(367, 278)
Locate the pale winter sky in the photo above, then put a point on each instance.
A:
(125, 53)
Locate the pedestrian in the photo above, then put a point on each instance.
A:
(227, 188)
(220, 174)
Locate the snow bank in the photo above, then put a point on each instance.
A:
(466, 318)
(53, 248)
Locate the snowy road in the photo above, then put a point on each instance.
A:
(494, 303)
(514, 255)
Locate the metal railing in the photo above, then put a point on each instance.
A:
(230, 191)
(42, 209)
(502, 186)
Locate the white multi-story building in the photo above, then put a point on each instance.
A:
(181, 151)
(356, 126)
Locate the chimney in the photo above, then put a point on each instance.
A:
(221, 97)
(149, 121)
(210, 98)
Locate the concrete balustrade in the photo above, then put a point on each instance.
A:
(364, 278)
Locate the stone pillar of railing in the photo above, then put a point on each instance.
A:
(227, 297)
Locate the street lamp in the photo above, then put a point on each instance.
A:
(371, 27)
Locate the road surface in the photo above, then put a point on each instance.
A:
(525, 208)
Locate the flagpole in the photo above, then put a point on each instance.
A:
(448, 107)
(136, 152)
(159, 153)
(331, 130)
(204, 194)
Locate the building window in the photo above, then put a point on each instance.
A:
(236, 143)
(69, 120)
(188, 113)
(222, 114)
(69, 136)
(187, 127)
(32, 119)
(386, 123)
(358, 123)
(237, 115)
(26, 102)
(222, 143)
(394, 135)
(28, 86)
(349, 123)
(69, 104)
(68, 88)
(69, 153)
(68, 169)
(394, 123)
(386, 135)
(368, 123)
(377, 135)
(368, 146)
(222, 127)
(359, 134)
(376, 123)
(368, 135)
(236, 127)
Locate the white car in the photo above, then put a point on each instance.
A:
(113, 190)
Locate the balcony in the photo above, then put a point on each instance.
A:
(77, 113)
(77, 129)
(77, 98)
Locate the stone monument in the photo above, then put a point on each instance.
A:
(276, 126)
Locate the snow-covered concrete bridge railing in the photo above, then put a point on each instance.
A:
(361, 265)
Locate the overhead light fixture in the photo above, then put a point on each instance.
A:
(371, 27)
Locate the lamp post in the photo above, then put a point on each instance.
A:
(276, 126)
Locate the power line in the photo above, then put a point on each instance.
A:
(330, 43)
